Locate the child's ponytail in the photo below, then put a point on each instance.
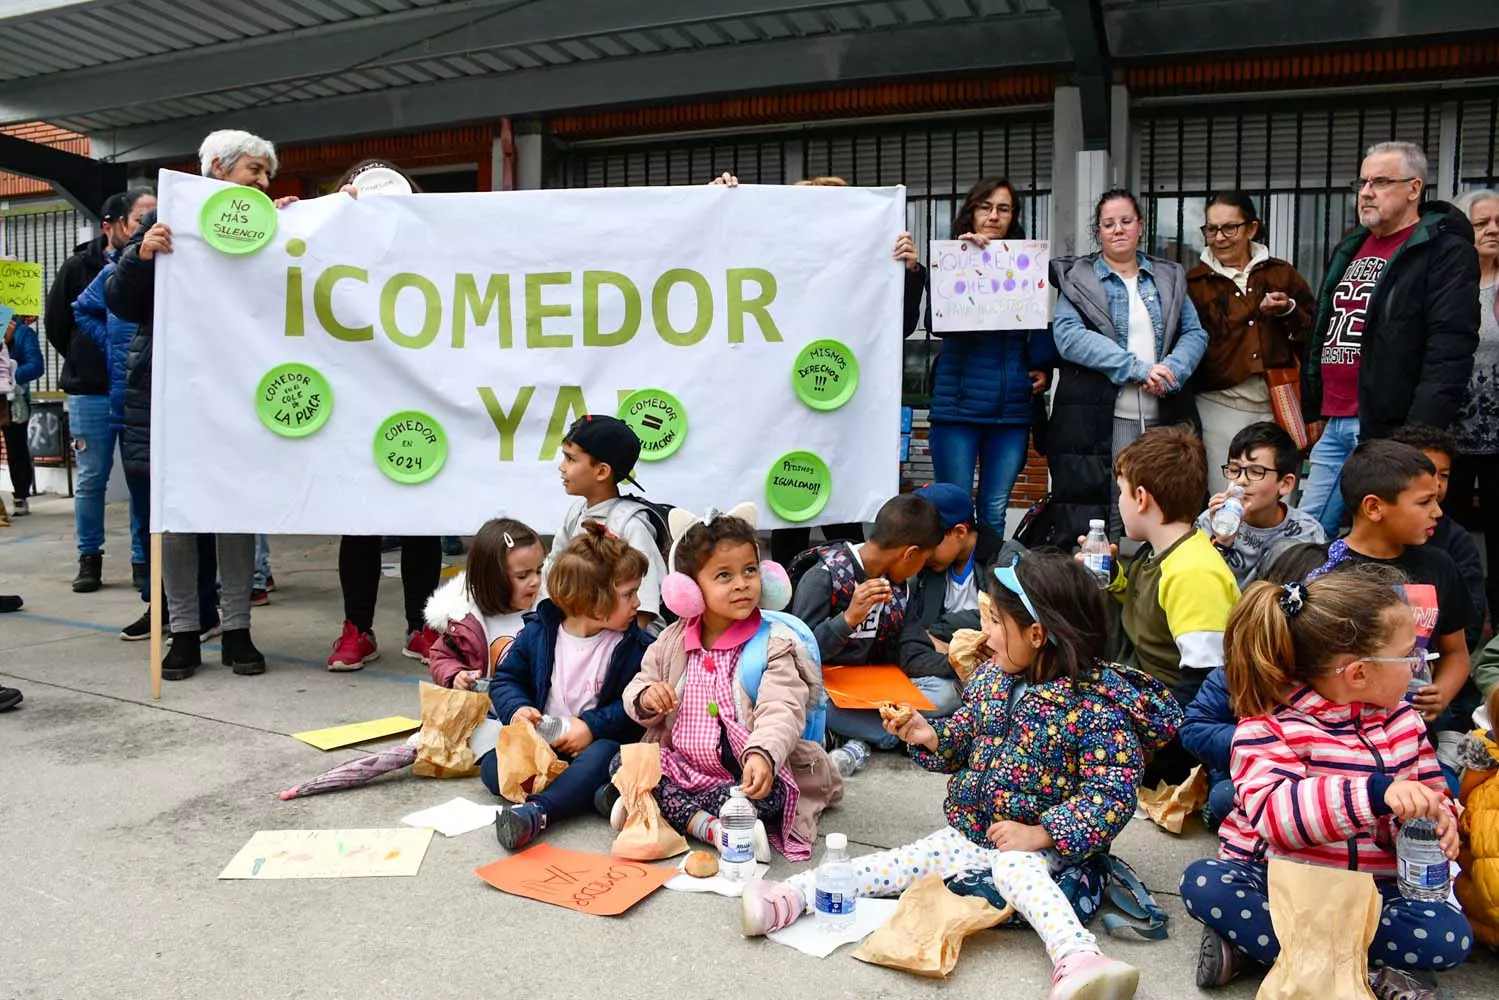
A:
(1281, 635)
(582, 580)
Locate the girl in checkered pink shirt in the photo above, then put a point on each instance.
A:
(689, 697)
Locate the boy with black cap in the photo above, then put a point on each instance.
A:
(598, 454)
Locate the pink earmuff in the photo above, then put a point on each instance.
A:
(685, 599)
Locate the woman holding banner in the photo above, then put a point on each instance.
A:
(1129, 340)
(986, 391)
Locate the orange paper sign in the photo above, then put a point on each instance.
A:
(866, 687)
(588, 883)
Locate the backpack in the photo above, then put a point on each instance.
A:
(753, 659)
(627, 507)
(1089, 885)
(841, 568)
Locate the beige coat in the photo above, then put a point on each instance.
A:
(775, 723)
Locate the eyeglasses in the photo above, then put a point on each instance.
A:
(1229, 231)
(986, 208)
(1377, 183)
(1253, 473)
(1109, 225)
(1416, 662)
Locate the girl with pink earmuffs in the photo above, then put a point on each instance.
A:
(733, 692)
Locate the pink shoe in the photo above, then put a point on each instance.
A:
(1091, 976)
(353, 650)
(768, 906)
(419, 645)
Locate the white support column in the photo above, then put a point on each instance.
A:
(1093, 179)
(1067, 144)
(529, 159)
(1447, 152)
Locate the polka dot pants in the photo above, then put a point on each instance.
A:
(1022, 877)
(1233, 898)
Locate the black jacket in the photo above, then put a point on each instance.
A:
(926, 617)
(85, 370)
(130, 294)
(1420, 327)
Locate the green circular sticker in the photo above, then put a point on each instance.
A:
(294, 400)
(798, 486)
(238, 220)
(825, 374)
(658, 420)
(410, 447)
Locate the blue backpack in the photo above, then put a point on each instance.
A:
(752, 668)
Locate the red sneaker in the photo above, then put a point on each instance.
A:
(419, 644)
(353, 650)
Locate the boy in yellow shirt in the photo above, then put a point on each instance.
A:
(1176, 591)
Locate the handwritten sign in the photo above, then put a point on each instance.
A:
(798, 486)
(410, 447)
(588, 883)
(280, 854)
(21, 287)
(238, 220)
(1002, 286)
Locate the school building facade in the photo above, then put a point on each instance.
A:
(1170, 98)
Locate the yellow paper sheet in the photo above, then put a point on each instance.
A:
(279, 854)
(358, 732)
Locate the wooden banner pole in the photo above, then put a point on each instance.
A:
(156, 610)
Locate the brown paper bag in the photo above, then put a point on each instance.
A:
(449, 717)
(966, 650)
(1170, 805)
(1324, 919)
(928, 929)
(646, 835)
(525, 765)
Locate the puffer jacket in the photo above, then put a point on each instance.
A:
(1420, 327)
(84, 370)
(130, 295)
(983, 377)
(1091, 328)
(111, 335)
(1067, 756)
(463, 645)
(1478, 885)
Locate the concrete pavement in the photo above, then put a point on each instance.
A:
(117, 814)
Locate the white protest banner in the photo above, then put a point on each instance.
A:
(410, 364)
(1001, 286)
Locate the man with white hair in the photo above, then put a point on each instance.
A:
(1397, 321)
(240, 158)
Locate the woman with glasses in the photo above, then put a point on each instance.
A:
(986, 391)
(1256, 309)
(1473, 496)
(1129, 340)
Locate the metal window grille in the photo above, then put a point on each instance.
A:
(936, 162)
(46, 237)
(1478, 143)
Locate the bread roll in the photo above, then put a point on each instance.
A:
(701, 864)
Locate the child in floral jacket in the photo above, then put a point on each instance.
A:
(1045, 756)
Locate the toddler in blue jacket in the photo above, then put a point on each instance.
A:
(571, 661)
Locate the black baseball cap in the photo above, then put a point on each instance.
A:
(609, 440)
(114, 208)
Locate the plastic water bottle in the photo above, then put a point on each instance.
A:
(551, 727)
(1420, 678)
(1096, 555)
(1424, 873)
(736, 838)
(1226, 519)
(849, 757)
(837, 889)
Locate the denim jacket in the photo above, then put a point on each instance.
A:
(1091, 324)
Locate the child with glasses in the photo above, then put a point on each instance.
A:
(1045, 756)
(1262, 460)
(1309, 665)
(1392, 489)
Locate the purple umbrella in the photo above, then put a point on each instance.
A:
(359, 771)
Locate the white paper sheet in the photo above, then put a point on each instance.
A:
(812, 937)
(454, 817)
(718, 884)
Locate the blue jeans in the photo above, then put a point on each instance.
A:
(859, 724)
(94, 442)
(262, 561)
(1321, 496)
(999, 452)
(572, 793)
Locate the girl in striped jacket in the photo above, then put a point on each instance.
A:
(1327, 757)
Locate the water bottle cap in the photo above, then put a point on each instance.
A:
(1097, 523)
(737, 792)
(837, 842)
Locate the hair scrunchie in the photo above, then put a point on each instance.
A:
(1292, 598)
